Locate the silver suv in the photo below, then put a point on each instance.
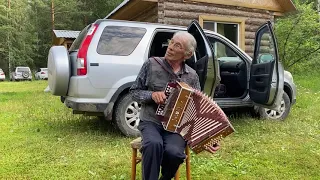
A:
(94, 76)
(21, 73)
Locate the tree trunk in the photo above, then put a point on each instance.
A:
(318, 8)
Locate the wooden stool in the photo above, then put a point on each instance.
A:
(136, 145)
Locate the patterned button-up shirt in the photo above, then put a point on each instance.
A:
(140, 90)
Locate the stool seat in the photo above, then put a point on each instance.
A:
(136, 144)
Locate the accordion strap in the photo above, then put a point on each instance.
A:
(160, 62)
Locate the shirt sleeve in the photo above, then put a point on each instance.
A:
(139, 89)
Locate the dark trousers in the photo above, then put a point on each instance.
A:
(160, 148)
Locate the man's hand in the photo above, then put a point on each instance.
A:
(159, 97)
(213, 149)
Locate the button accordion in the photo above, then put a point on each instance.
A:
(194, 115)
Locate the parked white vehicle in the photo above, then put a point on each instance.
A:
(21, 73)
(42, 73)
(2, 75)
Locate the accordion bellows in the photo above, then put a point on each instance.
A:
(194, 115)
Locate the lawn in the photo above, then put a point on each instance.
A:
(41, 139)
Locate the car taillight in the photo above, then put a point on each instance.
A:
(83, 50)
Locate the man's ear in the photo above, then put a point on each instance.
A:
(188, 55)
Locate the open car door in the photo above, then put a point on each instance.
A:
(203, 55)
(266, 72)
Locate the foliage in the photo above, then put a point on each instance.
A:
(41, 139)
(299, 36)
(26, 28)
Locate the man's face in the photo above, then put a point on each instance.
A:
(176, 50)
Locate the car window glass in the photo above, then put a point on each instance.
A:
(266, 51)
(227, 58)
(222, 52)
(77, 42)
(22, 69)
(119, 40)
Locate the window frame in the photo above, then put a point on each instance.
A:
(227, 20)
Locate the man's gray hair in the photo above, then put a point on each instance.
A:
(191, 41)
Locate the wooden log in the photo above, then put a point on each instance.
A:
(251, 28)
(180, 14)
(176, 21)
(263, 42)
(250, 35)
(214, 9)
(256, 22)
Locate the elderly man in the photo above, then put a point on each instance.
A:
(160, 147)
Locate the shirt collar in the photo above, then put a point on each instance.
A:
(183, 70)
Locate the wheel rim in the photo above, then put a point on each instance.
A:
(132, 115)
(272, 114)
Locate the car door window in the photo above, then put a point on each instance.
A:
(222, 52)
(266, 51)
(232, 69)
(120, 40)
(203, 54)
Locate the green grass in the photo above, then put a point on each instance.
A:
(41, 139)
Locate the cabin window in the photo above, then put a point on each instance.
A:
(231, 27)
(229, 30)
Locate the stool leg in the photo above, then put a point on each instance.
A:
(177, 176)
(188, 165)
(133, 164)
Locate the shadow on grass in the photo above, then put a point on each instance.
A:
(240, 113)
(84, 125)
(79, 124)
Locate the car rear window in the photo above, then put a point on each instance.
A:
(22, 69)
(119, 40)
(76, 43)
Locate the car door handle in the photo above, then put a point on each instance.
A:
(94, 64)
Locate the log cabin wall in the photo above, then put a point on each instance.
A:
(148, 15)
(182, 12)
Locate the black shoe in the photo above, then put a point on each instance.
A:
(163, 178)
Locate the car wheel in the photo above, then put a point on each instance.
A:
(285, 107)
(126, 116)
(25, 74)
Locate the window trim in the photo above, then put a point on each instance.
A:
(219, 19)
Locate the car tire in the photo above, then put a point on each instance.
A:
(265, 113)
(126, 116)
(58, 70)
(25, 74)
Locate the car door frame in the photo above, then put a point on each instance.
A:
(195, 29)
(272, 94)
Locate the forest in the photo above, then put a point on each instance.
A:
(26, 30)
